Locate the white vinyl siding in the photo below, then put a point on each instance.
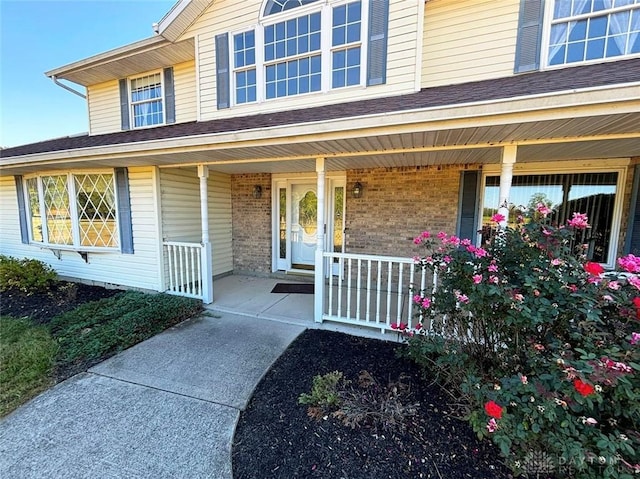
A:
(184, 84)
(468, 40)
(104, 108)
(227, 16)
(104, 101)
(137, 270)
(180, 195)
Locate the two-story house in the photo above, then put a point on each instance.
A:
(320, 136)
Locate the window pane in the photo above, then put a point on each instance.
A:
(95, 200)
(283, 223)
(34, 210)
(146, 96)
(57, 210)
(574, 38)
(590, 193)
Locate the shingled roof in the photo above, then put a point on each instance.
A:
(601, 74)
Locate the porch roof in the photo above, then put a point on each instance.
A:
(549, 113)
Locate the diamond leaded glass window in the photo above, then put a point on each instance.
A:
(95, 196)
(79, 210)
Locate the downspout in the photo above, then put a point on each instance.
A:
(68, 88)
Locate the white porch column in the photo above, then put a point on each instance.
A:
(319, 259)
(207, 256)
(509, 154)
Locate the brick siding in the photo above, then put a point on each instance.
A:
(397, 204)
(251, 224)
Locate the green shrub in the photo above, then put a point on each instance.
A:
(29, 276)
(324, 391)
(542, 345)
(27, 355)
(102, 328)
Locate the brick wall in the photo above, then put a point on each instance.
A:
(251, 224)
(397, 204)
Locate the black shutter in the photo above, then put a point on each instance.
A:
(529, 36)
(378, 35)
(22, 210)
(467, 214)
(169, 97)
(632, 241)
(222, 71)
(124, 105)
(124, 211)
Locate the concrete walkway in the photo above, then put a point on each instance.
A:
(166, 408)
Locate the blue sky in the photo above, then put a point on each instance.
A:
(37, 36)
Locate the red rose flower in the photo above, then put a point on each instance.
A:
(583, 388)
(636, 302)
(594, 269)
(493, 409)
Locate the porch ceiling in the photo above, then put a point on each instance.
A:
(581, 137)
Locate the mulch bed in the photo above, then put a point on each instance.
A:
(42, 307)
(275, 438)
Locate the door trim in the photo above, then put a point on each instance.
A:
(281, 181)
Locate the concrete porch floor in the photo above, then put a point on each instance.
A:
(251, 296)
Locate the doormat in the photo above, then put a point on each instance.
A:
(302, 288)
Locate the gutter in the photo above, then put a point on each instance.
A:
(68, 88)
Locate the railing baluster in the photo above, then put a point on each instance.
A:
(358, 291)
(330, 302)
(199, 264)
(368, 290)
(339, 295)
(168, 250)
(410, 293)
(399, 306)
(349, 288)
(389, 279)
(378, 292)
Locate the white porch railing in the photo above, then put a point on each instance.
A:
(375, 291)
(183, 269)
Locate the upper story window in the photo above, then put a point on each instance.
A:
(584, 30)
(73, 209)
(324, 47)
(277, 6)
(147, 100)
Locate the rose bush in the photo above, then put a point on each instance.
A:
(542, 345)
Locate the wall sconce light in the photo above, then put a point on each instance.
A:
(257, 192)
(356, 192)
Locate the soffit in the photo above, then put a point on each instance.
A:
(147, 55)
(609, 136)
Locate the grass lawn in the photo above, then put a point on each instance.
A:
(37, 350)
(27, 356)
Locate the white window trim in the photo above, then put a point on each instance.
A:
(131, 104)
(605, 166)
(73, 210)
(546, 36)
(326, 50)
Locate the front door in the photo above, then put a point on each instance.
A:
(304, 225)
(295, 232)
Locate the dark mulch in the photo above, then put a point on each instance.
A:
(275, 438)
(42, 307)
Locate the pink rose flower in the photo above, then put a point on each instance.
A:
(498, 218)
